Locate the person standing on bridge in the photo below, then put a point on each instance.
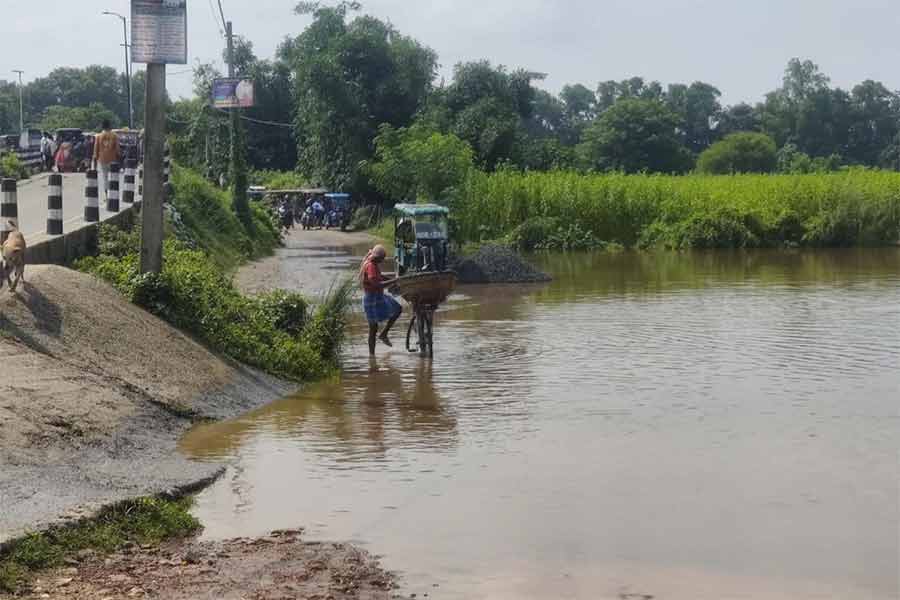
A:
(378, 306)
(106, 152)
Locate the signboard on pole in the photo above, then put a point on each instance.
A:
(232, 93)
(159, 31)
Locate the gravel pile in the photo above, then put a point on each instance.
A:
(497, 264)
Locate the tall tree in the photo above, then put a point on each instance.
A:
(351, 77)
(875, 122)
(579, 110)
(698, 107)
(737, 118)
(635, 135)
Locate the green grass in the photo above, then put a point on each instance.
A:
(850, 208)
(144, 521)
(209, 223)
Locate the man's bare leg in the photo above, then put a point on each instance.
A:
(373, 333)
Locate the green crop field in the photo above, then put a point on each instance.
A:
(849, 208)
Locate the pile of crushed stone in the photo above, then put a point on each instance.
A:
(497, 264)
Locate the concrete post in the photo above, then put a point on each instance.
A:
(9, 208)
(112, 198)
(55, 205)
(152, 202)
(167, 165)
(128, 188)
(91, 198)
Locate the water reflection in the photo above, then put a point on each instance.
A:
(360, 412)
(683, 425)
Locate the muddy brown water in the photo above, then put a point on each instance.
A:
(697, 425)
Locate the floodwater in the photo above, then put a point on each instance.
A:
(694, 425)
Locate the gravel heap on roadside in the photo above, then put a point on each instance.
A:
(497, 264)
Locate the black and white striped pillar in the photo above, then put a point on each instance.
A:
(92, 198)
(9, 208)
(128, 188)
(167, 165)
(54, 205)
(140, 182)
(112, 197)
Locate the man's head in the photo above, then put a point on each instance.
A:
(106, 125)
(378, 253)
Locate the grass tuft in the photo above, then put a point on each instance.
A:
(143, 521)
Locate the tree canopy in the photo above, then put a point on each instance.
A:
(745, 152)
(635, 135)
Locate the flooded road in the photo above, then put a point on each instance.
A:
(696, 425)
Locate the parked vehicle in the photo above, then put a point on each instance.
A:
(422, 244)
(30, 139)
(340, 210)
(129, 144)
(421, 237)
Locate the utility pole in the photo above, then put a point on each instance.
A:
(127, 66)
(154, 142)
(238, 168)
(21, 103)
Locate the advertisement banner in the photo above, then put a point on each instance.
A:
(159, 31)
(232, 93)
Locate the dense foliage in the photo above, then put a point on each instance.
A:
(417, 163)
(739, 153)
(351, 76)
(854, 207)
(94, 89)
(207, 220)
(11, 166)
(277, 332)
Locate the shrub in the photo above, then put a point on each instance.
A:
(11, 166)
(743, 152)
(272, 332)
(278, 180)
(533, 233)
(364, 217)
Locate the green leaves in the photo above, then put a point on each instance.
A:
(635, 135)
(418, 164)
(739, 153)
(350, 79)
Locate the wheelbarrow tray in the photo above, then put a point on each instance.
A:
(426, 288)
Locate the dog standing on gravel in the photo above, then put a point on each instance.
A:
(13, 259)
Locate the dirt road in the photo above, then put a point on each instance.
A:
(309, 262)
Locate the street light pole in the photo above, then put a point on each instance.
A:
(127, 66)
(21, 104)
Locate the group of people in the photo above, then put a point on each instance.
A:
(311, 212)
(293, 211)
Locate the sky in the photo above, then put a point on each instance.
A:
(740, 47)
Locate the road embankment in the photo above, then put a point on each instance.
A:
(94, 394)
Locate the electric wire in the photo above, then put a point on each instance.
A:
(219, 26)
(222, 14)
